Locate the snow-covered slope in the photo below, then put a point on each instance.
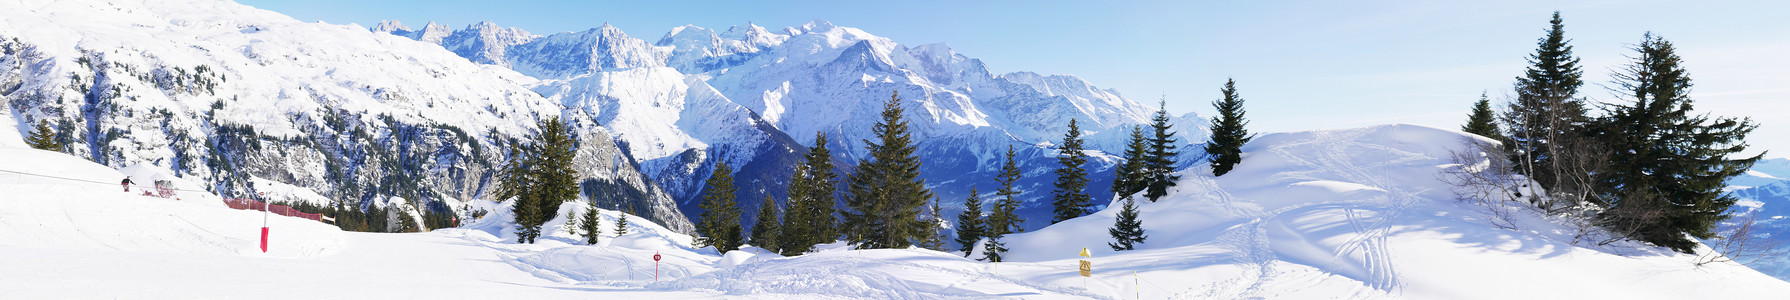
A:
(1362, 213)
(751, 96)
(226, 94)
(1354, 213)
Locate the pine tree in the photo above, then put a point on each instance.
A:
(43, 138)
(1007, 207)
(621, 222)
(540, 177)
(1541, 122)
(1228, 135)
(591, 225)
(809, 219)
(936, 239)
(1159, 167)
(1070, 199)
(766, 231)
(514, 182)
(551, 168)
(886, 192)
(1127, 229)
(720, 224)
(1666, 188)
(970, 223)
(1004, 219)
(1128, 177)
(1482, 121)
(994, 249)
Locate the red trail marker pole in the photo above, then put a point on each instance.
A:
(264, 207)
(655, 267)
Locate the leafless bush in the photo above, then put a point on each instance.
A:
(1481, 174)
(1741, 244)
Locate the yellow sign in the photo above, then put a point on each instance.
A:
(1084, 252)
(1087, 269)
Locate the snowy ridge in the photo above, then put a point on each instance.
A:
(246, 93)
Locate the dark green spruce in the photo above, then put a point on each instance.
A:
(765, 232)
(1128, 178)
(591, 225)
(808, 219)
(884, 195)
(970, 223)
(1483, 121)
(1128, 230)
(1004, 219)
(1070, 199)
(1541, 121)
(1228, 135)
(1159, 165)
(621, 223)
(539, 177)
(720, 224)
(1666, 189)
(43, 137)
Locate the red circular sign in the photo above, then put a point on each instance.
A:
(655, 257)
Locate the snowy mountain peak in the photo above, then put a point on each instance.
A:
(817, 25)
(389, 26)
(432, 33)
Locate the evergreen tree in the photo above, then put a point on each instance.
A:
(1128, 177)
(1127, 229)
(936, 239)
(886, 192)
(720, 224)
(1159, 165)
(1070, 199)
(1228, 135)
(43, 138)
(1666, 188)
(1482, 121)
(765, 231)
(513, 182)
(1542, 121)
(809, 219)
(541, 180)
(621, 222)
(1004, 220)
(591, 225)
(970, 223)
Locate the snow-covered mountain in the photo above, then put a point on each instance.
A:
(749, 96)
(227, 95)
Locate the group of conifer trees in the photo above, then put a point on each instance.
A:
(1647, 168)
(539, 177)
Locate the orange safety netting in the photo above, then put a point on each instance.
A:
(276, 209)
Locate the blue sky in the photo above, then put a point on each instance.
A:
(1300, 64)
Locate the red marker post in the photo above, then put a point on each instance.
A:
(264, 207)
(655, 267)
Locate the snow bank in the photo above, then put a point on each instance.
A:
(1360, 213)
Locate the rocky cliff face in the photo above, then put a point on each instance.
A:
(244, 93)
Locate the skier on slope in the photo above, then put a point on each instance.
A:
(126, 183)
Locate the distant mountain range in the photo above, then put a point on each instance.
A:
(756, 98)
